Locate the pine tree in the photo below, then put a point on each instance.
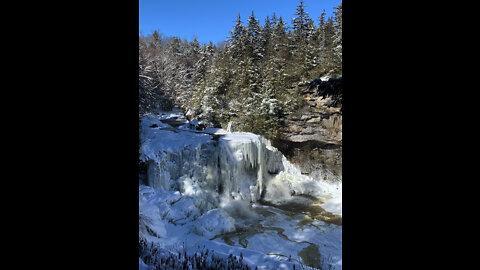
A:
(299, 22)
(271, 65)
(280, 56)
(265, 37)
(311, 59)
(318, 48)
(155, 40)
(302, 31)
(251, 79)
(329, 55)
(337, 40)
(254, 54)
(236, 40)
(321, 34)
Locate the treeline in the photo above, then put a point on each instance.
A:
(249, 80)
(159, 258)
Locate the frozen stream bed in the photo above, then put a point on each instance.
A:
(231, 193)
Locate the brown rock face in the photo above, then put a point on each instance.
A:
(312, 136)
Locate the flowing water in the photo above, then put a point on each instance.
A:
(301, 213)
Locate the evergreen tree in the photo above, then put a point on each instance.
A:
(302, 31)
(254, 54)
(278, 55)
(299, 22)
(321, 34)
(328, 55)
(311, 58)
(251, 80)
(155, 40)
(236, 40)
(265, 36)
(337, 40)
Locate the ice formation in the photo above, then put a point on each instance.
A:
(210, 178)
(239, 165)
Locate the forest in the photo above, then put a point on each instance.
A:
(251, 80)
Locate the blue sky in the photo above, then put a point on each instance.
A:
(211, 20)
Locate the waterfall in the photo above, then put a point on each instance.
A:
(204, 184)
(229, 127)
(235, 165)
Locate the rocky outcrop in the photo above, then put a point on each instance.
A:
(321, 117)
(312, 136)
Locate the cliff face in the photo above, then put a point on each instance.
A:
(312, 136)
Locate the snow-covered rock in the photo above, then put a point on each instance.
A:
(214, 222)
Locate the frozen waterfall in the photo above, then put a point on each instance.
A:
(209, 186)
(237, 165)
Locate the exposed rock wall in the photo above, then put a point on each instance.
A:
(312, 136)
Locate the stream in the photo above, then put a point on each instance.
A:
(287, 222)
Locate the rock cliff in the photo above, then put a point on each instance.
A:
(312, 136)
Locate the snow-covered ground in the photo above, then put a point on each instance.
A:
(235, 194)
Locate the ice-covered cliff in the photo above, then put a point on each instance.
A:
(210, 182)
(237, 165)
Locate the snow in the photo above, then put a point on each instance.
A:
(202, 189)
(214, 222)
(334, 203)
(142, 265)
(163, 138)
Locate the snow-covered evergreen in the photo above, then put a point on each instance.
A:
(238, 82)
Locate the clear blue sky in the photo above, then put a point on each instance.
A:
(211, 20)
